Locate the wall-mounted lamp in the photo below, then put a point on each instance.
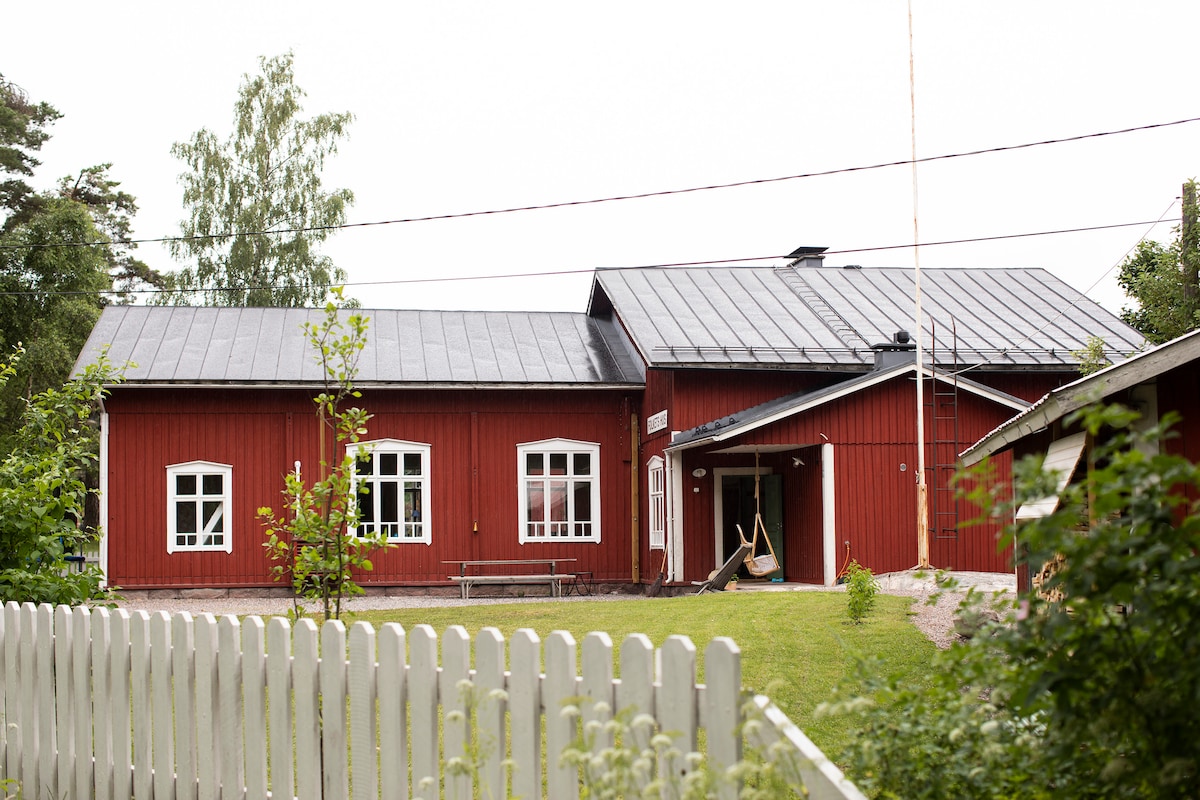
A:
(699, 472)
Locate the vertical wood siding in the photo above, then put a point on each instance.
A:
(873, 433)
(705, 395)
(1179, 391)
(473, 437)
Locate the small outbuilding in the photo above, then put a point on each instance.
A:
(1159, 380)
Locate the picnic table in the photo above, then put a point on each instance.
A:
(481, 572)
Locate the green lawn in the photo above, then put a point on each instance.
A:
(795, 645)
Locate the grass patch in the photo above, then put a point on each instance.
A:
(795, 645)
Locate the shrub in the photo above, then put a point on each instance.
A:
(861, 589)
(1089, 688)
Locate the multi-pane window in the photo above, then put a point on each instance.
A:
(199, 499)
(392, 482)
(559, 498)
(658, 507)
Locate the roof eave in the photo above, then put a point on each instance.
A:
(474, 385)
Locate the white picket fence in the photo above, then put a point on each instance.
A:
(100, 704)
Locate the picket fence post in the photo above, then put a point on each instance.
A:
(113, 704)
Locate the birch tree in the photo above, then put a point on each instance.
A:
(257, 211)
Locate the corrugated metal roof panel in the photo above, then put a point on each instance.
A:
(829, 316)
(184, 345)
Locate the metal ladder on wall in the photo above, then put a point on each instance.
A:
(944, 435)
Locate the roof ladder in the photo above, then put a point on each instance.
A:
(944, 438)
(817, 304)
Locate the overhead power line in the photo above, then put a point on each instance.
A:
(587, 270)
(616, 198)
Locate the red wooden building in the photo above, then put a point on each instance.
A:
(626, 437)
(1155, 382)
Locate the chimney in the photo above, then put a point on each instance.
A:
(807, 257)
(901, 350)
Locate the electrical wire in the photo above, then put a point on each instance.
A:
(588, 270)
(616, 198)
(1082, 294)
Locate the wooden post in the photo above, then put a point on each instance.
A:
(1189, 245)
(635, 502)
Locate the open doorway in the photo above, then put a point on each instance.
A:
(737, 507)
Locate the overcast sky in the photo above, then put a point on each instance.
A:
(471, 106)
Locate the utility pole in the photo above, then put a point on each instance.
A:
(922, 485)
(1189, 247)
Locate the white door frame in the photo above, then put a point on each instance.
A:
(719, 473)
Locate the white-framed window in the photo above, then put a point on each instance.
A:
(559, 492)
(655, 483)
(392, 489)
(199, 500)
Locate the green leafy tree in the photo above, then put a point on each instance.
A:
(1088, 689)
(257, 210)
(309, 540)
(112, 213)
(23, 125)
(1163, 280)
(61, 252)
(43, 493)
(49, 300)
(1092, 357)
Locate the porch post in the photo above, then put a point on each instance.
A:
(675, 516)
(828, 515)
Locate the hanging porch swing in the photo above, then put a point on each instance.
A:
(765, 564)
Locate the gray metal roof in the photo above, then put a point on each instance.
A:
(828, 317)
(1056, 404)
(189, 346)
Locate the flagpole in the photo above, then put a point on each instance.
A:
(922, 487)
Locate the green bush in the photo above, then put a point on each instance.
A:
(861, 589)
(1089, 688)
(44, 491)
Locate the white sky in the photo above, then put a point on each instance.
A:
(468, 106)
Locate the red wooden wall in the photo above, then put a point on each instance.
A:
(473, 437)
(873, 433)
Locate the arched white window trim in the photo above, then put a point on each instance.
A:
(199, 507)
(656, 494)
(558, 492)
(399, 496)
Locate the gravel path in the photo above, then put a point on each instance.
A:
(934, 620)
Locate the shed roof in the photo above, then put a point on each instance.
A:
(179, 345)
(1102, 384)
(828, 317)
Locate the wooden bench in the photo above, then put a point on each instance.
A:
(553, 578)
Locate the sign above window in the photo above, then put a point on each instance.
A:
(656, 422)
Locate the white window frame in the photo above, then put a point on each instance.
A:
(568, 531)
(200, 470)
(399, 531)
(656, 492)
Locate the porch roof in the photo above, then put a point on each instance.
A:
(772, 411)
